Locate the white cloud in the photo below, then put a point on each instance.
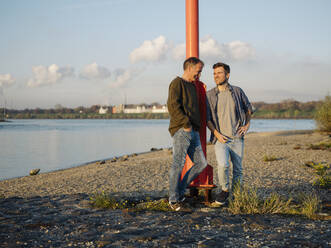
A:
(6, 80)
(123, 77)
(239, 50)
(211, 50)
(151, 50)
(94, 71)
(44, 75)
(232, 51)
(178, 52)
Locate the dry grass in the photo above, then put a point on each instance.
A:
(247, 201)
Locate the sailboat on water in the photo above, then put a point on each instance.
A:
(3, 118)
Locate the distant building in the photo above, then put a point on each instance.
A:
(134, 109)
(103, 111)
(118, 109)
(159, 109)
(139, 108)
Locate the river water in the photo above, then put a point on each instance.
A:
(58, 144)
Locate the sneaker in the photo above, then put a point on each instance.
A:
(222, 197)
(176, 206)
(182, 199)
(180, 206)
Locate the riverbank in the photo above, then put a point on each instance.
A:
(149, 171)
(51, 209)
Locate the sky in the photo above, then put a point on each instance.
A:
(108, 52)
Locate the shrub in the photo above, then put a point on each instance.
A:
(323, 115)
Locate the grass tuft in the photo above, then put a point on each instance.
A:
(267, 158)
(153, 205)
(103, 200)
(320, 146)
(323, 179)
(247, 201)
(274, 204)
(310, 204)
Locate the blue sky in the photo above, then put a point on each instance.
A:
(80, 53)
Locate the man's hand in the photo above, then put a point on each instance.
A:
(221, 138)
(243, 130)
(188, 129)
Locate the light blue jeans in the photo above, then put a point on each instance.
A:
(234, 150)
(185, 143)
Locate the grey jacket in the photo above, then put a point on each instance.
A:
(241, 102)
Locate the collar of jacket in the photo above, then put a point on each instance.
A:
(216, 90)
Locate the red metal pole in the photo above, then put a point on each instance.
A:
(205, 179)
(192, 28)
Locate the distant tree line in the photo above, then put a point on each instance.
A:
(284, 110)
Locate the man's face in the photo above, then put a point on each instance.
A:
(195, 72)
(220, 75)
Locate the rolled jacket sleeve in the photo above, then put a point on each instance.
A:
(246, 103)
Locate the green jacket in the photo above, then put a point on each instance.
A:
(183, 106)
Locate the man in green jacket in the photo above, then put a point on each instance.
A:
(183, 107)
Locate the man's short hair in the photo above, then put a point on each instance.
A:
(192, 61)
(225, 66)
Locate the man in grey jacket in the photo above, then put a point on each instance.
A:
(228, 118)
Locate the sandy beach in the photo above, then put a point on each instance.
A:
(148, 173)
(53, 209)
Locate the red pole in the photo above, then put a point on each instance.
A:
(205, 179)
(192, 28)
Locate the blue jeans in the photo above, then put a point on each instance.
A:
(185, 143)
(233, 149)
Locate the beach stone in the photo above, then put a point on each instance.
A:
(34, 172)
(123, 158)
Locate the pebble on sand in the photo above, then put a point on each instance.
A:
(34, 172)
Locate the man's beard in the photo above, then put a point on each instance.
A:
(221, 83)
